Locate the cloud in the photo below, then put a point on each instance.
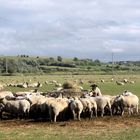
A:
(89, 29)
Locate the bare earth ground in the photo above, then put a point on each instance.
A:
(99, 127)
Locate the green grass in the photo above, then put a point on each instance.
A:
(99, 129)
(107, 88)
(52, 134)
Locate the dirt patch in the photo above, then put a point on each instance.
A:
(83, 127)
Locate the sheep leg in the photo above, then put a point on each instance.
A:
(79, 113)
(50, 114)
(55, 116)
(110, 111)
(137, 109)
(102, 112)
(95, 112)
(132, 111)
(129, 110)
(74, 114)
(122, 110)
(1, 115)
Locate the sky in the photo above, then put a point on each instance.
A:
(71, 28)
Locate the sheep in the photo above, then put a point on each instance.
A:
(102, 102)
(119, 83)
(129, 101)
(125, 80)
(132, 82)
(37, 104)
(19, 108)
(38, 84)
(76, 107)
(46, 82)
(95, 90)
(7, 94)
(89, 105)
(1, 87)
(126, 93)
(22, 85)
(102, 80)
(57, 107)
(22, 93)
(93, 106)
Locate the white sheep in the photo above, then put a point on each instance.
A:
(119, 83)
(19, 108)
(57, 107)
(125, 80)
(7, 94)
(76, 107)
(132, 82)
(102, 102)
(130, 102)
(127, 93)
(1, 87)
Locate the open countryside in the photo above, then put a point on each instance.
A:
(69, 70)
(108, 127)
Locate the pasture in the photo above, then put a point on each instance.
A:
(106, 128)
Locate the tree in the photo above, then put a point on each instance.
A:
(75, 59)
(59, 58)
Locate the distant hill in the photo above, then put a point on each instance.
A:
(25, 64)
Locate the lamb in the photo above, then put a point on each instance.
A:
(19, 108)
(129, 101)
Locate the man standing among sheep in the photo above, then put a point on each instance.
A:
(95, 90)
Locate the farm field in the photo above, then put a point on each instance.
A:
(108, 87)
(106, 128)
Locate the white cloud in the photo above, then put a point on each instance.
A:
(70, 28)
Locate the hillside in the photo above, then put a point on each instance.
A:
(24, 64)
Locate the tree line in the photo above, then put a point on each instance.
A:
(26, 64)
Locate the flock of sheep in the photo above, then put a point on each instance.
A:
(90, 104)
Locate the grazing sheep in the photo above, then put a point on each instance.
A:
(127, 93)
(7, 94)
(76, 107)
(19, 108)
(22, 85)
(129, 101)
(87, 106)
(102, 102)
(102, 80)
(132, 82)
(1, 87)
(119, 83)
(38, 84)
(57, 107)
(93, 106)
(37, 104)
(125, 80)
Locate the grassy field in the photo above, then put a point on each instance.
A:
(108, 87)
(107, 128)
